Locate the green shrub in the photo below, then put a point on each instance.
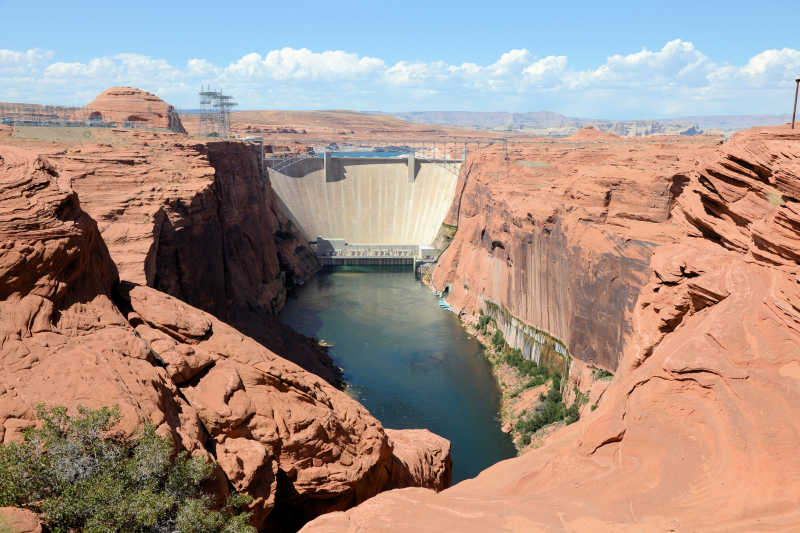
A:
(526, 367)
(550, 409)
(571, 414)
(498, 342)
(599, 373)
(483, 322)
(81, 476)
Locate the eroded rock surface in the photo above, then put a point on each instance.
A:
(560, 234)
(698, 429)
(198, 221)
(421, 459)
(71, 335)
(128, 104)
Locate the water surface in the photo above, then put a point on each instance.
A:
(410, 362)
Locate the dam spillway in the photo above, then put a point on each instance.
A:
(376, 201)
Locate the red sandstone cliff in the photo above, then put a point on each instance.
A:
(560, 236)
(128, 104)
(698, 430)
(70, 335)
(199, 222)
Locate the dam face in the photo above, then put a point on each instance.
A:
(376, 201)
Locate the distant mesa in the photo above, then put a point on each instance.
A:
(128, 104)
(590, 133)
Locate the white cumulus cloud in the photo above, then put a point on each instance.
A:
(675, 78)
(303, 64)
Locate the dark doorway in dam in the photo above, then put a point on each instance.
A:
(406, 359)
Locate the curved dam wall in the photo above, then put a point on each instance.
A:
(367, 200)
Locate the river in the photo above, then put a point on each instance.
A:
(407, 360)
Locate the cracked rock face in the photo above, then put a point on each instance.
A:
(698, 430)
(70, 335)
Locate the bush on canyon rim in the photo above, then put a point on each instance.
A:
(81, 476)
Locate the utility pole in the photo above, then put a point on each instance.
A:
(796, 87)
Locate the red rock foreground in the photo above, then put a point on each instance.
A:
(699, 429)
(71, 334)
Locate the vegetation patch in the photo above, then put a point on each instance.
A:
(526, 374)
(80, 475)
(551, 352)
(551, 409)
(600, 373)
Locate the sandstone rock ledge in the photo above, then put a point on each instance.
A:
(698, 431)
(197, 221)
(70, 334)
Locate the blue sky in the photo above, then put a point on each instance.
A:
(593, 59)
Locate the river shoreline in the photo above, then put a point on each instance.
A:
(409, 363)
(517, 398)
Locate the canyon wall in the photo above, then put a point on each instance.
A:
(559, 239)
(697, 431)
(197, 221)
(71, 334)
(368, 201)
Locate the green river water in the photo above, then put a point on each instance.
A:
(408, 361)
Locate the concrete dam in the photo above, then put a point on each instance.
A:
(368, 207)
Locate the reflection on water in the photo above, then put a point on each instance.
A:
(407, 360)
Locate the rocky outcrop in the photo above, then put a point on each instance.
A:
(697, 431)
(199, 222)
(590, 133)
(71, 335)
(421, 459)
(128, 104)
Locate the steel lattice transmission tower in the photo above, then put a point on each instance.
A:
(216, 114)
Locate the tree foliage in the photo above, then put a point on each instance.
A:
(82, 476)
(550, 409)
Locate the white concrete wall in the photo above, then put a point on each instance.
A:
(368, 201)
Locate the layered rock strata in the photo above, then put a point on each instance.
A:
(200, 222)
(697, 431)
(71, 335)
(558, 238)
(134, 106)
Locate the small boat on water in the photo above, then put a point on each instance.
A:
(324, 343)
(444, 305)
